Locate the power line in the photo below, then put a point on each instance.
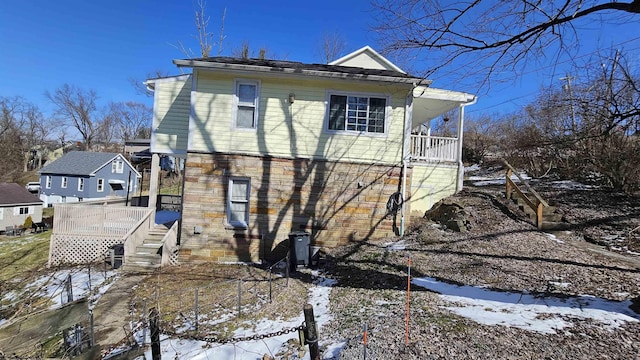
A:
(554, 65)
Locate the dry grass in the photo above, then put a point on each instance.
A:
(173, 293)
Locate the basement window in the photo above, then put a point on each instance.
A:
(238, 202)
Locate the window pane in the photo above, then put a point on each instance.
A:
(239, 190)
(238, 212)
(337, 108)
(246, 93)
(376, 115)
(245, 117)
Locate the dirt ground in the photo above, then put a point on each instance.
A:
(503, 251)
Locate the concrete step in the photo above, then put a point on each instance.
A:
(139, 267)
(144, 258)
(150, 249)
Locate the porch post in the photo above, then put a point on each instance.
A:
(459, 153)
(153, 185)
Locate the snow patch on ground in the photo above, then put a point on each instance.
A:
(83, 282)
(396, 245)
(250, 350)
(554, 238)
(545, 315)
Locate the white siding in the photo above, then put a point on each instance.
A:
(171, 116)
(431, 183)
(294, 130)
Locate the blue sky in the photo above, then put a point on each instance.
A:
(101, 44)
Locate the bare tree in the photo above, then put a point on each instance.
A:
(204, 37)
(503, 34)
(140, 87)
(23, 133)
(592, 134)
(77, 107)
(245, 52)
(331, 46)
(133, 119)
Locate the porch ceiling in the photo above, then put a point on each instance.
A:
(429, 103)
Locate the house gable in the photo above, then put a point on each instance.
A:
(367, 58)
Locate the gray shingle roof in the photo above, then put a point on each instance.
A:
(13, 194)
(78, 163)
(282, 64)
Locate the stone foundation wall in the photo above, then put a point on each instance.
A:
(336, 202)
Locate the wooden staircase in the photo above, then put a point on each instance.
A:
(542, 214)
(148, 256)
(550, 219)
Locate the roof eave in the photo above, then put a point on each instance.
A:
(303, 72)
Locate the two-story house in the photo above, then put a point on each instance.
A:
(84, 176)
(273, 147)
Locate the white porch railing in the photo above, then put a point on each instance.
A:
(425, 148)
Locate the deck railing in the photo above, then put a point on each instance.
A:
(426, 148)
(170, 245)
(136, 234)
(536, 203)
(96, 220)
(84, 234)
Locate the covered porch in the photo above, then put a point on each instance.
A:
(429, 104)
(434, 145)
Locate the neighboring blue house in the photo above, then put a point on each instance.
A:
(83, 176)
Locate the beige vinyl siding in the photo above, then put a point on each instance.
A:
(296, 130)
(365, 61)
(431, 183)
(171, 117)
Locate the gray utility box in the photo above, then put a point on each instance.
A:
(299, 248)
(116, 255)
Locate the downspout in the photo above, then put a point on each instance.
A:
(404, 189)
(408, 118)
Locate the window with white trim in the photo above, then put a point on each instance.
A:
(117, 167)
(22, 210)
(80, 184)
(100, 185)
(356, 113)
(64, 182)
(238, 202)
(245, 103)
(48, 182)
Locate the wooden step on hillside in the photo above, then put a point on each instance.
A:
(550, 219)
(148, 256)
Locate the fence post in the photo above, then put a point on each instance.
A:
(364, 340)
(408, 301)
(92, 338)
(144, 320)
(196, 307)
(154, 325)
(69, 289)
(286, 270)
(239, 296)
(89, 273)
(270, 272)
(311, 335)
